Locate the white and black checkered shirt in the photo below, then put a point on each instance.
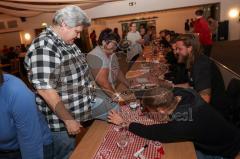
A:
(52, 64)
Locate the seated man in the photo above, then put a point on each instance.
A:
(177, 72)
(204, 75)
(185, 117)
(105, 67)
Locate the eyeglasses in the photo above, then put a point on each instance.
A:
(115, 44)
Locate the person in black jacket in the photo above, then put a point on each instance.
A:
(204, 75)
(185, 116)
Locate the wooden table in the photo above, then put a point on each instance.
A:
(89, 144)
(4, 65)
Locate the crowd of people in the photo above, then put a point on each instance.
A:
(10, 54)
(71, 88)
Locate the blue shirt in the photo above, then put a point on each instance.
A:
(21, 124)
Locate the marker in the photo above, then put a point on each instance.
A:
(141, 156)
(139, 152)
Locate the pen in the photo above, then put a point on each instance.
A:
(139, 152)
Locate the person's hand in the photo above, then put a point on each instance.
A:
(73, 127)
(117, 98)
(115, 118)
(140, 41)
(183, 85)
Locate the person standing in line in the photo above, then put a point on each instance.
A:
(136, 43)
(59, 72)
(118, 38)
(213, 25)
(24, 133)
(202, 29)
(93, 38)
(187, 26)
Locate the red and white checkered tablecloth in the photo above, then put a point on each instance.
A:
(109, 149)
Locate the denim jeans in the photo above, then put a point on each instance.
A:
(101, 107)
(48, 151)
(201, 155)
(63, 144)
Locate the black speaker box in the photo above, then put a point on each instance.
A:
(223, 30)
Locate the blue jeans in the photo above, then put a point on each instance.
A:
(101, 107)
(63, 144)
(48, 151)
(201, 155)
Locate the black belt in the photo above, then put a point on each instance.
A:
(10, 154)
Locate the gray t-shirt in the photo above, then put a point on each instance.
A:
(97, 59)
(136, 48)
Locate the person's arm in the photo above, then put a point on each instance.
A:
(206, 95)
(238, 156)
(25, 117)
(57, 106)
(183, 85)
(170, 132)
(140, 40)
(122, 79)
(202, 78)
(44, 74)
(102, 80)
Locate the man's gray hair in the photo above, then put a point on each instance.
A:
(72, 16)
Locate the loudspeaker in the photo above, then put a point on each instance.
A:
(223, 30)
(23, 19)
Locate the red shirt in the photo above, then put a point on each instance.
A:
(201, 27)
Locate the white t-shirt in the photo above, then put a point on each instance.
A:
(136, 48)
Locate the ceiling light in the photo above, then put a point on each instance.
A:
(44, 24)
(27, 36)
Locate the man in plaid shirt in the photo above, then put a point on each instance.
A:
(59, 72)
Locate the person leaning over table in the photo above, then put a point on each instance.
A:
(185, 117)
(105, 70)
(60, 74)
(204, 75)
(24, 133)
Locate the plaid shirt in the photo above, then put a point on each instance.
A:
(52, 64)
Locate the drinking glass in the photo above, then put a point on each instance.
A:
(122, 142)
(93, 95)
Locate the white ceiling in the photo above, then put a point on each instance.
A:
(30, 8)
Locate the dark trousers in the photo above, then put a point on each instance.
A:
(11, 155)
(47, 151)
(207, 50)
(233, 93)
